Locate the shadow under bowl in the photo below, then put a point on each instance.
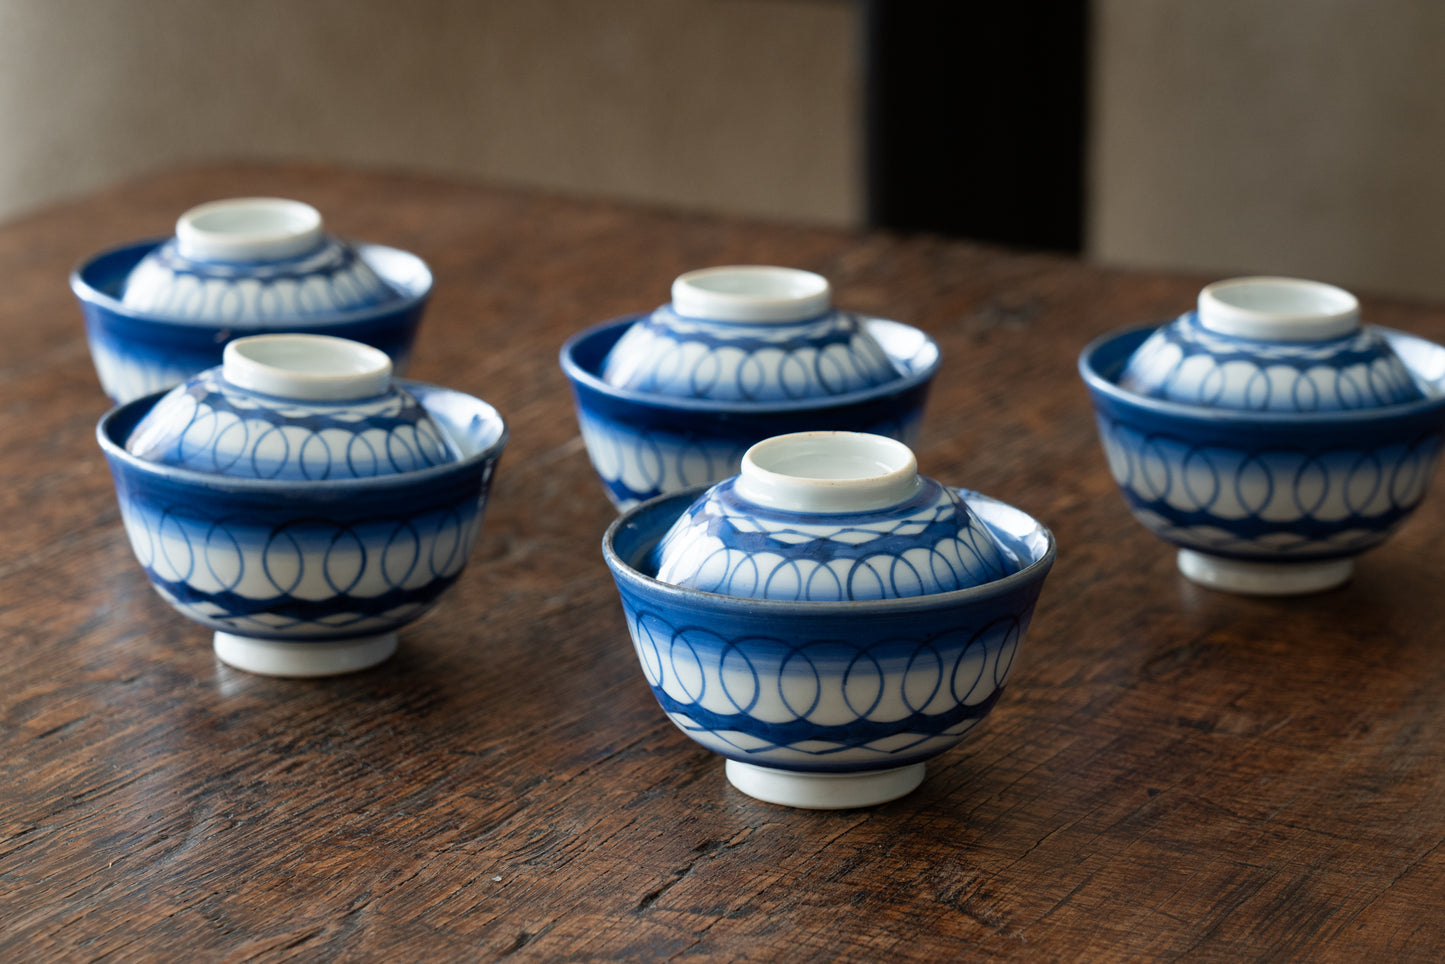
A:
(643, 445)
(826, 705)
(137, 353)
(1267, 503)
(307, 578)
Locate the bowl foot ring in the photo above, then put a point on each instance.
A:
(1263, 578)
(824, 791)
(268, 657)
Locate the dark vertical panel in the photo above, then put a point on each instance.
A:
(976, 119)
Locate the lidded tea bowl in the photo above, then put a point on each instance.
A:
(673, 397)
(300, 502)
(159, 311)
(828, 619)
(1269, 434)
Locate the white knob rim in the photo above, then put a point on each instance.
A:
(249, 229)
(1278, 309)
(751, 293)
(316, 368)
(828, 472)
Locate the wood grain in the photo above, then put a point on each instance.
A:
(1174, 774)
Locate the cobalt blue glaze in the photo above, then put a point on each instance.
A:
(1187, 362)
(826, 687)
(643, 445)
(930, 543)
(136, 353)
(305, 561)
(1268, 486)
(665, 353)
(210, 425)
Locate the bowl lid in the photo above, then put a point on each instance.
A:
(828, 516)
(253, 259)
(293, 407)
(755, 333)
(1269, 344)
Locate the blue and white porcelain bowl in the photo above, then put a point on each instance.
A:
(673, 398)
(299, 503)
(1273, 500)
(830, 701)
(158, 312)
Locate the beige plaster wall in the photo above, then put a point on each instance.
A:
(1293, 136)
(748, 106)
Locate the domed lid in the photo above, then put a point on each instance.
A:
(293, 407)
(754, 333)
(251, 259)
(828, 516)
(1271, 345)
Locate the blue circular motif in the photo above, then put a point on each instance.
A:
(664, 353)
(930, 543)
(1268, 487)
(137, 353)
(300, 560)
(1188, 363)
(212, 426)
(826, 686)
(643, 445)
(330, 279)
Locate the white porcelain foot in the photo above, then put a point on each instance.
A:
(267, 657)
(1264, 578)
(824, 791)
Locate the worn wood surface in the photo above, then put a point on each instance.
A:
(1173, 773)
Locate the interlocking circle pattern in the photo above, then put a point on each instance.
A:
(1270, 502)
(827, 703)
(309, 576)
(209, 425)
(332, 279)
(638, 463)
(929, 544)
(666, 354)
(1188, 363)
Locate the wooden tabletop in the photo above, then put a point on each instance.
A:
(1173, 773)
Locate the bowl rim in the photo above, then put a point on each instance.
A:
(1105, 385)
(116, 452)
(586, 378)
(408, 294)
(1033, 573)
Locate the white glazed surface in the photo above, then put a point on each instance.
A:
(1278, 309)
(755, 293)
(1263, 578)
(265, 657)
(824, 791)
(828, 472)
(313, 368)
